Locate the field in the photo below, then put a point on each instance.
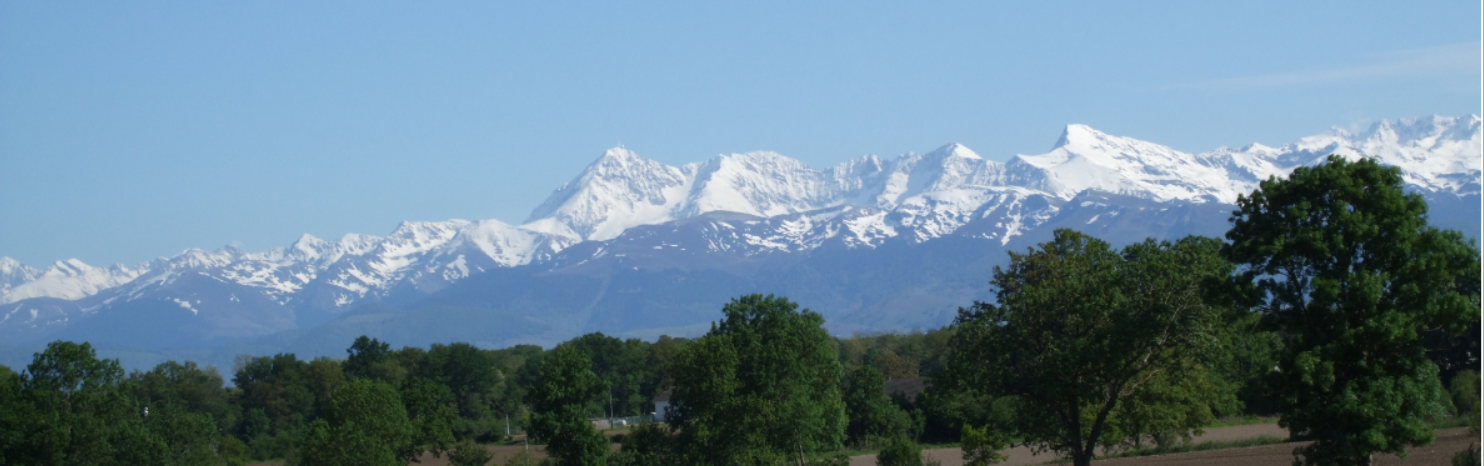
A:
(1449, 441)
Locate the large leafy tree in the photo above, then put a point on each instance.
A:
(365, 425)
(77, 412)
(558, 403)
(471, 376)
(1085, 339)
(196, 389)
(760, 388)
(622, 364)
(871, 411)
(13, 415)
(1347, 269)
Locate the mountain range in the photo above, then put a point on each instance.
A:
(638, 248)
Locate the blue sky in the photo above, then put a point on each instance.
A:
(132, 130)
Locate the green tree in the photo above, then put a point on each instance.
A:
(1080, 330)
(871, 411)
(468, 453)
(901, 451)
(365, 426)
(363, 357)
(190, 437)
(558, 402)
(473, 378)
(1347, 269)
(191, 387)
(981, 446)
(78, 413)
(278, 387)
(761, 387)
(432, 411)
(649, 444)
(13, 415)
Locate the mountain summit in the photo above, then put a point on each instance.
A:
(736, 215)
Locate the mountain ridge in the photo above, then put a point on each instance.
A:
(741, 211)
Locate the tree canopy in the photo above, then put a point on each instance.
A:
(567, 383)
(760, 387)
(1080, 330)
(1343, 263)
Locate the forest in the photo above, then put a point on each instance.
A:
(1331, 305)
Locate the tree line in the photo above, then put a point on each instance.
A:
(1331, 304)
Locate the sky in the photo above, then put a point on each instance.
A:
(136, 130)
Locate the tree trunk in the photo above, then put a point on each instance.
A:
(1082, 458)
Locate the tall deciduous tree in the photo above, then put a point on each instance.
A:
(1348, 269)
(78, 414)
(761, 387)
(365, 426)
(871, 412)
(565, 386)
(1080, 330)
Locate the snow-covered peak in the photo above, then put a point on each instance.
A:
(506, 245)
(68, 279)
(1085, 158)
(757, 183)
(1435, 153)
(201, 259)
(945, 168)
(1440, 154)
(13, 273)
(308, 247)
(618, 191)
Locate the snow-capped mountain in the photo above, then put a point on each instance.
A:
(69, 279)
(736, 208)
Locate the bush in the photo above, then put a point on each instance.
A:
(468, 453)
(902, 451)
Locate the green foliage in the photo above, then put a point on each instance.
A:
(623, 366)
(982, 445)
(558, 401)
(1465, 391)
(468, 453)
(365, 356)
(871, 412)
(279, 387)
(1464, 388)
(522, 459)
(836, 460)
(1469, 457)
(1244, 356)
(472, 377)
(366, 425)
(518, 367)
(896, 356)
(761, 386)
(431, 410)
(1348, 271)
(948, 407)
(13, 411)
(190, 438)
(901, 451)
(74, 412)
(1079, 329)
(649, 444)
(192, 388)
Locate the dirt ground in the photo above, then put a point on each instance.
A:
(1449, 441)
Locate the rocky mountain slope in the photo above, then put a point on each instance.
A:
(709, 230)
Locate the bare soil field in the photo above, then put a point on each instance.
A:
(1449, 441)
